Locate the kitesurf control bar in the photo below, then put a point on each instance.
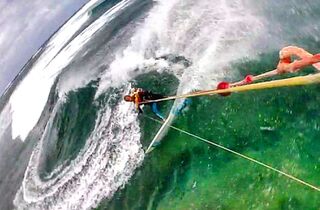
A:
(294, 81)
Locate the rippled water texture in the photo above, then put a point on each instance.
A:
(69, 141)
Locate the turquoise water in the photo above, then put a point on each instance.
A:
(279, 127)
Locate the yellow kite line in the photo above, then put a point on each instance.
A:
(294, 81)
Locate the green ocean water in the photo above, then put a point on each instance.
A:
(279, 127)
(73, 123)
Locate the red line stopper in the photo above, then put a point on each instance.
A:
(248, 79)
(223, 85)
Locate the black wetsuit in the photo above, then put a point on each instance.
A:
(148, 95)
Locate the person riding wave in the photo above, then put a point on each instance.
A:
(138, 95)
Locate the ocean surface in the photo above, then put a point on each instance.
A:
(69, 141)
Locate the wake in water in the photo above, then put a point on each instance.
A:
(132, 38)
(106, 161)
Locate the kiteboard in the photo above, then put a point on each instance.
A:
(178, 106)
(161, 133)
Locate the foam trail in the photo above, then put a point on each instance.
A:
(105, 163)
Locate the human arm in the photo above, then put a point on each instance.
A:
(286, 65)
(137, 105)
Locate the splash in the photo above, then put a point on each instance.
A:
(210, 35)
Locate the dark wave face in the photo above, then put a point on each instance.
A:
(69, 141)
(71, 127)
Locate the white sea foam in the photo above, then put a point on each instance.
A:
(106, 162)
(29, 99)
(5, 119)
(210, 34)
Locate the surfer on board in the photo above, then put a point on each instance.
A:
(138, 95)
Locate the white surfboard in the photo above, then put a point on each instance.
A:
(165, 126)
(161, 133)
